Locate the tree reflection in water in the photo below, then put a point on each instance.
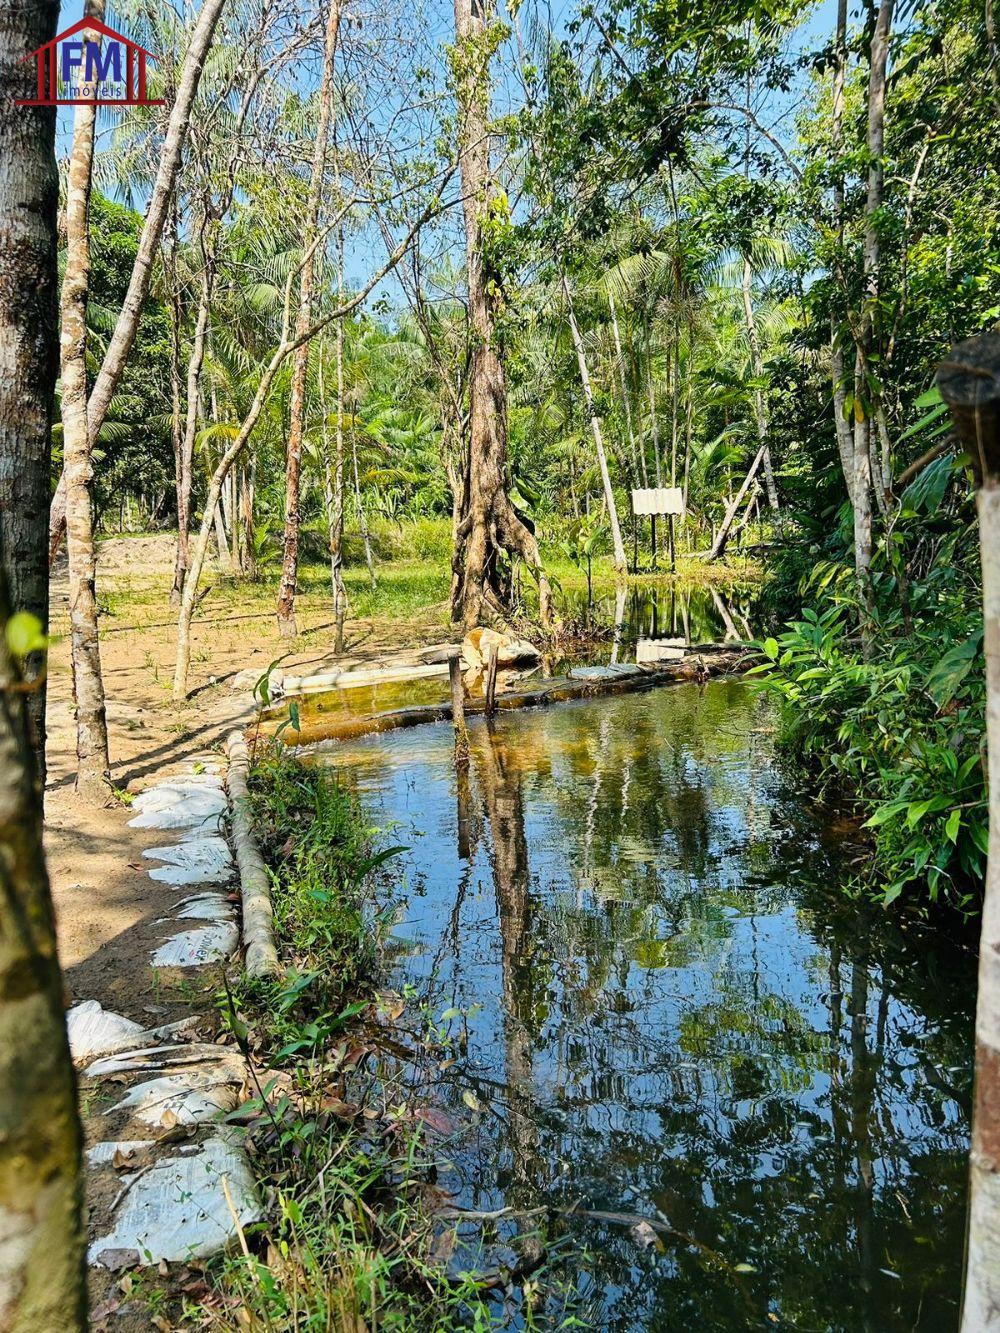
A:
(682, 1017)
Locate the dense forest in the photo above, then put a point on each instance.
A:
(378, 288)
(725, 255)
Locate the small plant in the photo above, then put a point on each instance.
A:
(900, 732)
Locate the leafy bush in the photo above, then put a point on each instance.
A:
(901, 730)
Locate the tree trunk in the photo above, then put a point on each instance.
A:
(29, 194)
(362, 513)
(334, 484)
(722, 536)
(297, 407)
(654, 424)
(93, 767)
(186, 460)
(234, 450)
(969, 381)
(42, 1246)
(873, 203)
(127, 325)
(838, 376)
(757, 362)
(638, 457)
(595, 427)
(490, 524)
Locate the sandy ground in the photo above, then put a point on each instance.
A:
(108, 910)
(101, 891)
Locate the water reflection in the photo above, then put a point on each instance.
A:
(681, 1020)
(696, 614)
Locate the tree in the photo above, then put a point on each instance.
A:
(489, 524)
(300, 367)
(41, 1235)
(970, 383)
(93, 772)
(42, 1244)
(116, 356)
(29, 191)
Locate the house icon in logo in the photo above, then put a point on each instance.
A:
(108, 73)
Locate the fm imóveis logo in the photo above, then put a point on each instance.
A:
(90, 63)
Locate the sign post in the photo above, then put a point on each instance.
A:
(668, 500)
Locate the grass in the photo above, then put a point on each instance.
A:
(341, 1148)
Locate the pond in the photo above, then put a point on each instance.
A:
(670, 1012)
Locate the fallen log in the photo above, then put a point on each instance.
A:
(255, 883)
(701, 663)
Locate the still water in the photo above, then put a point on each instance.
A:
(674, 1015)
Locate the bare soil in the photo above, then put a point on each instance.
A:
(98, 876)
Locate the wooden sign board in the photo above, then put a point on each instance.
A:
(658, 500)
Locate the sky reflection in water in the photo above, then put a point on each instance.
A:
(681, 1018)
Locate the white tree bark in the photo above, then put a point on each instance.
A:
(618, 546)
(969, 381)
(93, 766)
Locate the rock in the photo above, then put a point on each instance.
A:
(178, 1210)
(478, 645)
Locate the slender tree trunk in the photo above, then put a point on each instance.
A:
(366, 536)
(490, 523)
(838, 374)
(722, 536)
(654, 425)
(186, 462)
(335, 484)
(618, 545)
(235, 449)
(29, 194)
(969, 381)
(43, 1285)
(638, 456)
(297, 409)
(93, 770)
(873, 203)
(759, 404)
(176, 321)
(116, 356)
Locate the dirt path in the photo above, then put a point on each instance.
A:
(101, 889)
(111, 915)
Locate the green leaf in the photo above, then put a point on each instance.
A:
(25, 634)
(771, 649)
(952, 826)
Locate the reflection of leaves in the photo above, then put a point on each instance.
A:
(651, 953)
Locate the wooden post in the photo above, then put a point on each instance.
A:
(458, 707)
(969, 381)
(670, 535)
(652, 528)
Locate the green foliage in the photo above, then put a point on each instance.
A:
(899, 731)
